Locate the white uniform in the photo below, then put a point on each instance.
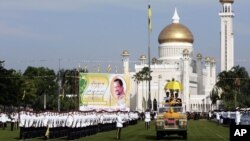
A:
(147, 117)
(119, 121)
(237, 119)
(228, 114)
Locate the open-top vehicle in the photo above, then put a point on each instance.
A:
(171, 120)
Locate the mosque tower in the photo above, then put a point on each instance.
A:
(227, 35)
(125, 55)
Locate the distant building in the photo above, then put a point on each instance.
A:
(176, 60)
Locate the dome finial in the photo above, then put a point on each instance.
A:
(176, 17)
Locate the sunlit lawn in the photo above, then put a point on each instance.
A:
(199, 130)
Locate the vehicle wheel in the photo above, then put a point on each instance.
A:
(185, 135)
(158, 135)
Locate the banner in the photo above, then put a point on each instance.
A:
(102, 91)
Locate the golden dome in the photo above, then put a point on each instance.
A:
(175, 32)
(226, 1)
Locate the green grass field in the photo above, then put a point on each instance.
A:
(199, 130)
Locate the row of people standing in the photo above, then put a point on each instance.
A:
(74, 124)
(226, 117)
(9, 117)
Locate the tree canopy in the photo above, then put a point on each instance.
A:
(28, 89)
(234, 85)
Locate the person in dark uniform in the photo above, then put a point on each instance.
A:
(178, 100)
(167, 97)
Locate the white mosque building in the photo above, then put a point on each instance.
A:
(176, 60)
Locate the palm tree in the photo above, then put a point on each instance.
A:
(215, 95)
(137, 78)
(147, 77)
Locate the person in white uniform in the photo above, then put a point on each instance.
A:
(147, 119)
(238, 116)
(119, 125)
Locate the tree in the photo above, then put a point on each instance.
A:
(137, 78)
(10, 81)
(39, 81)
(70, 85)
(235, 87)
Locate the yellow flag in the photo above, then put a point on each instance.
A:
(47, 132)
(149, 19)
(24, 93)
(98, 68)
(79, 67)
(116, 69)
(109, 68)
(85, 68)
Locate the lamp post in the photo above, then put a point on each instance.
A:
(59, 88)
(149, 82)
(237, 84)
(44, 101)
(159, 85)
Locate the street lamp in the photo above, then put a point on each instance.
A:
(59, 88)
(237, 84)
(159, 79)
(44, 101)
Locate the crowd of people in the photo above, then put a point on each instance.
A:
(77, 124)
(239, 116)
(227, 117)
(73, 125)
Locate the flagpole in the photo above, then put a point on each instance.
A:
(59, 88)
(149, 30)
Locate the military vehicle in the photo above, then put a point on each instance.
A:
(170, 120)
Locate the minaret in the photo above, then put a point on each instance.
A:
(143, 59)
(208, 70)
(125, 55)
(199, 74)
(208, 80)
(213, 71)
(227, 35)
(186, 93)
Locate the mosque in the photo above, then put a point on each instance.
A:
(176, 60)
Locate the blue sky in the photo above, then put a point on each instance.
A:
(91, 32)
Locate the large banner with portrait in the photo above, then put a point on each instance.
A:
(102, 91)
